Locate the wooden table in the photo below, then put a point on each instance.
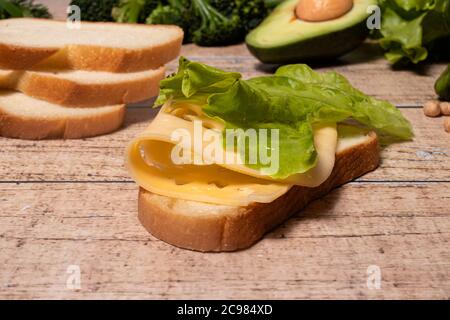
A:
(72, 203)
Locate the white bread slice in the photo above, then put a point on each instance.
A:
(112, 47)
(25, 117)
(77, 88)
(208, 227)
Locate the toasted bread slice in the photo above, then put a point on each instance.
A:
(208, 227)
(29, 118)
(112, 47)
(76, 88)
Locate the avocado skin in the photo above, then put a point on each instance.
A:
(331, 45)
(442, 86)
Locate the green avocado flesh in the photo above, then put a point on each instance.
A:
(282, 38)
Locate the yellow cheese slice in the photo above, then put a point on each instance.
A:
(325, 141)
(150, 164)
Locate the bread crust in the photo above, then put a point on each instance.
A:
(17, 57)
(70, 93)
(32, 128)
(91, 57)
(94, 58)
(229, 228)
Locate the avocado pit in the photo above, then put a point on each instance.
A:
(322, 10)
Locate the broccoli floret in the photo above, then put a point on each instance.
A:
(225, 7)
(211, 22)
(251, 12)
(133, 11)
(32, 9)
(174, 12)
(95, 10)
(163, 15)
(214, 28)
(205, 22)
(23, 8)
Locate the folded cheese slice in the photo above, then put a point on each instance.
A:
(325, 140)
(150, 164)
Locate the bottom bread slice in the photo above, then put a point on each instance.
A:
(209, 227)
(24, 117)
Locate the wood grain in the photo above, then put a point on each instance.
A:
(322, 253)
(68, 203)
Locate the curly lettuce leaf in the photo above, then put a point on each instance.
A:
(415, 4)
(293, 101)
(374, 113)
(248, 106)
(410, 26)
(195, 82)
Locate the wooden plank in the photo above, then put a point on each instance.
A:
(323, 253)
(382, 219)
(102, 158)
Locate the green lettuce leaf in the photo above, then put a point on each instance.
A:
(409, 27)
(247, 106)
(195, 82)
(415, 4)
(293, 101)
(376, 114)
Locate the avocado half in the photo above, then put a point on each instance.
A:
(282, 38)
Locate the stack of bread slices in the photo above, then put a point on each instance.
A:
(60, 81)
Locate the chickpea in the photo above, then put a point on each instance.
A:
(445, 108)
(432, 109)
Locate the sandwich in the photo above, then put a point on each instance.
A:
(58, 80)
(226, 159)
